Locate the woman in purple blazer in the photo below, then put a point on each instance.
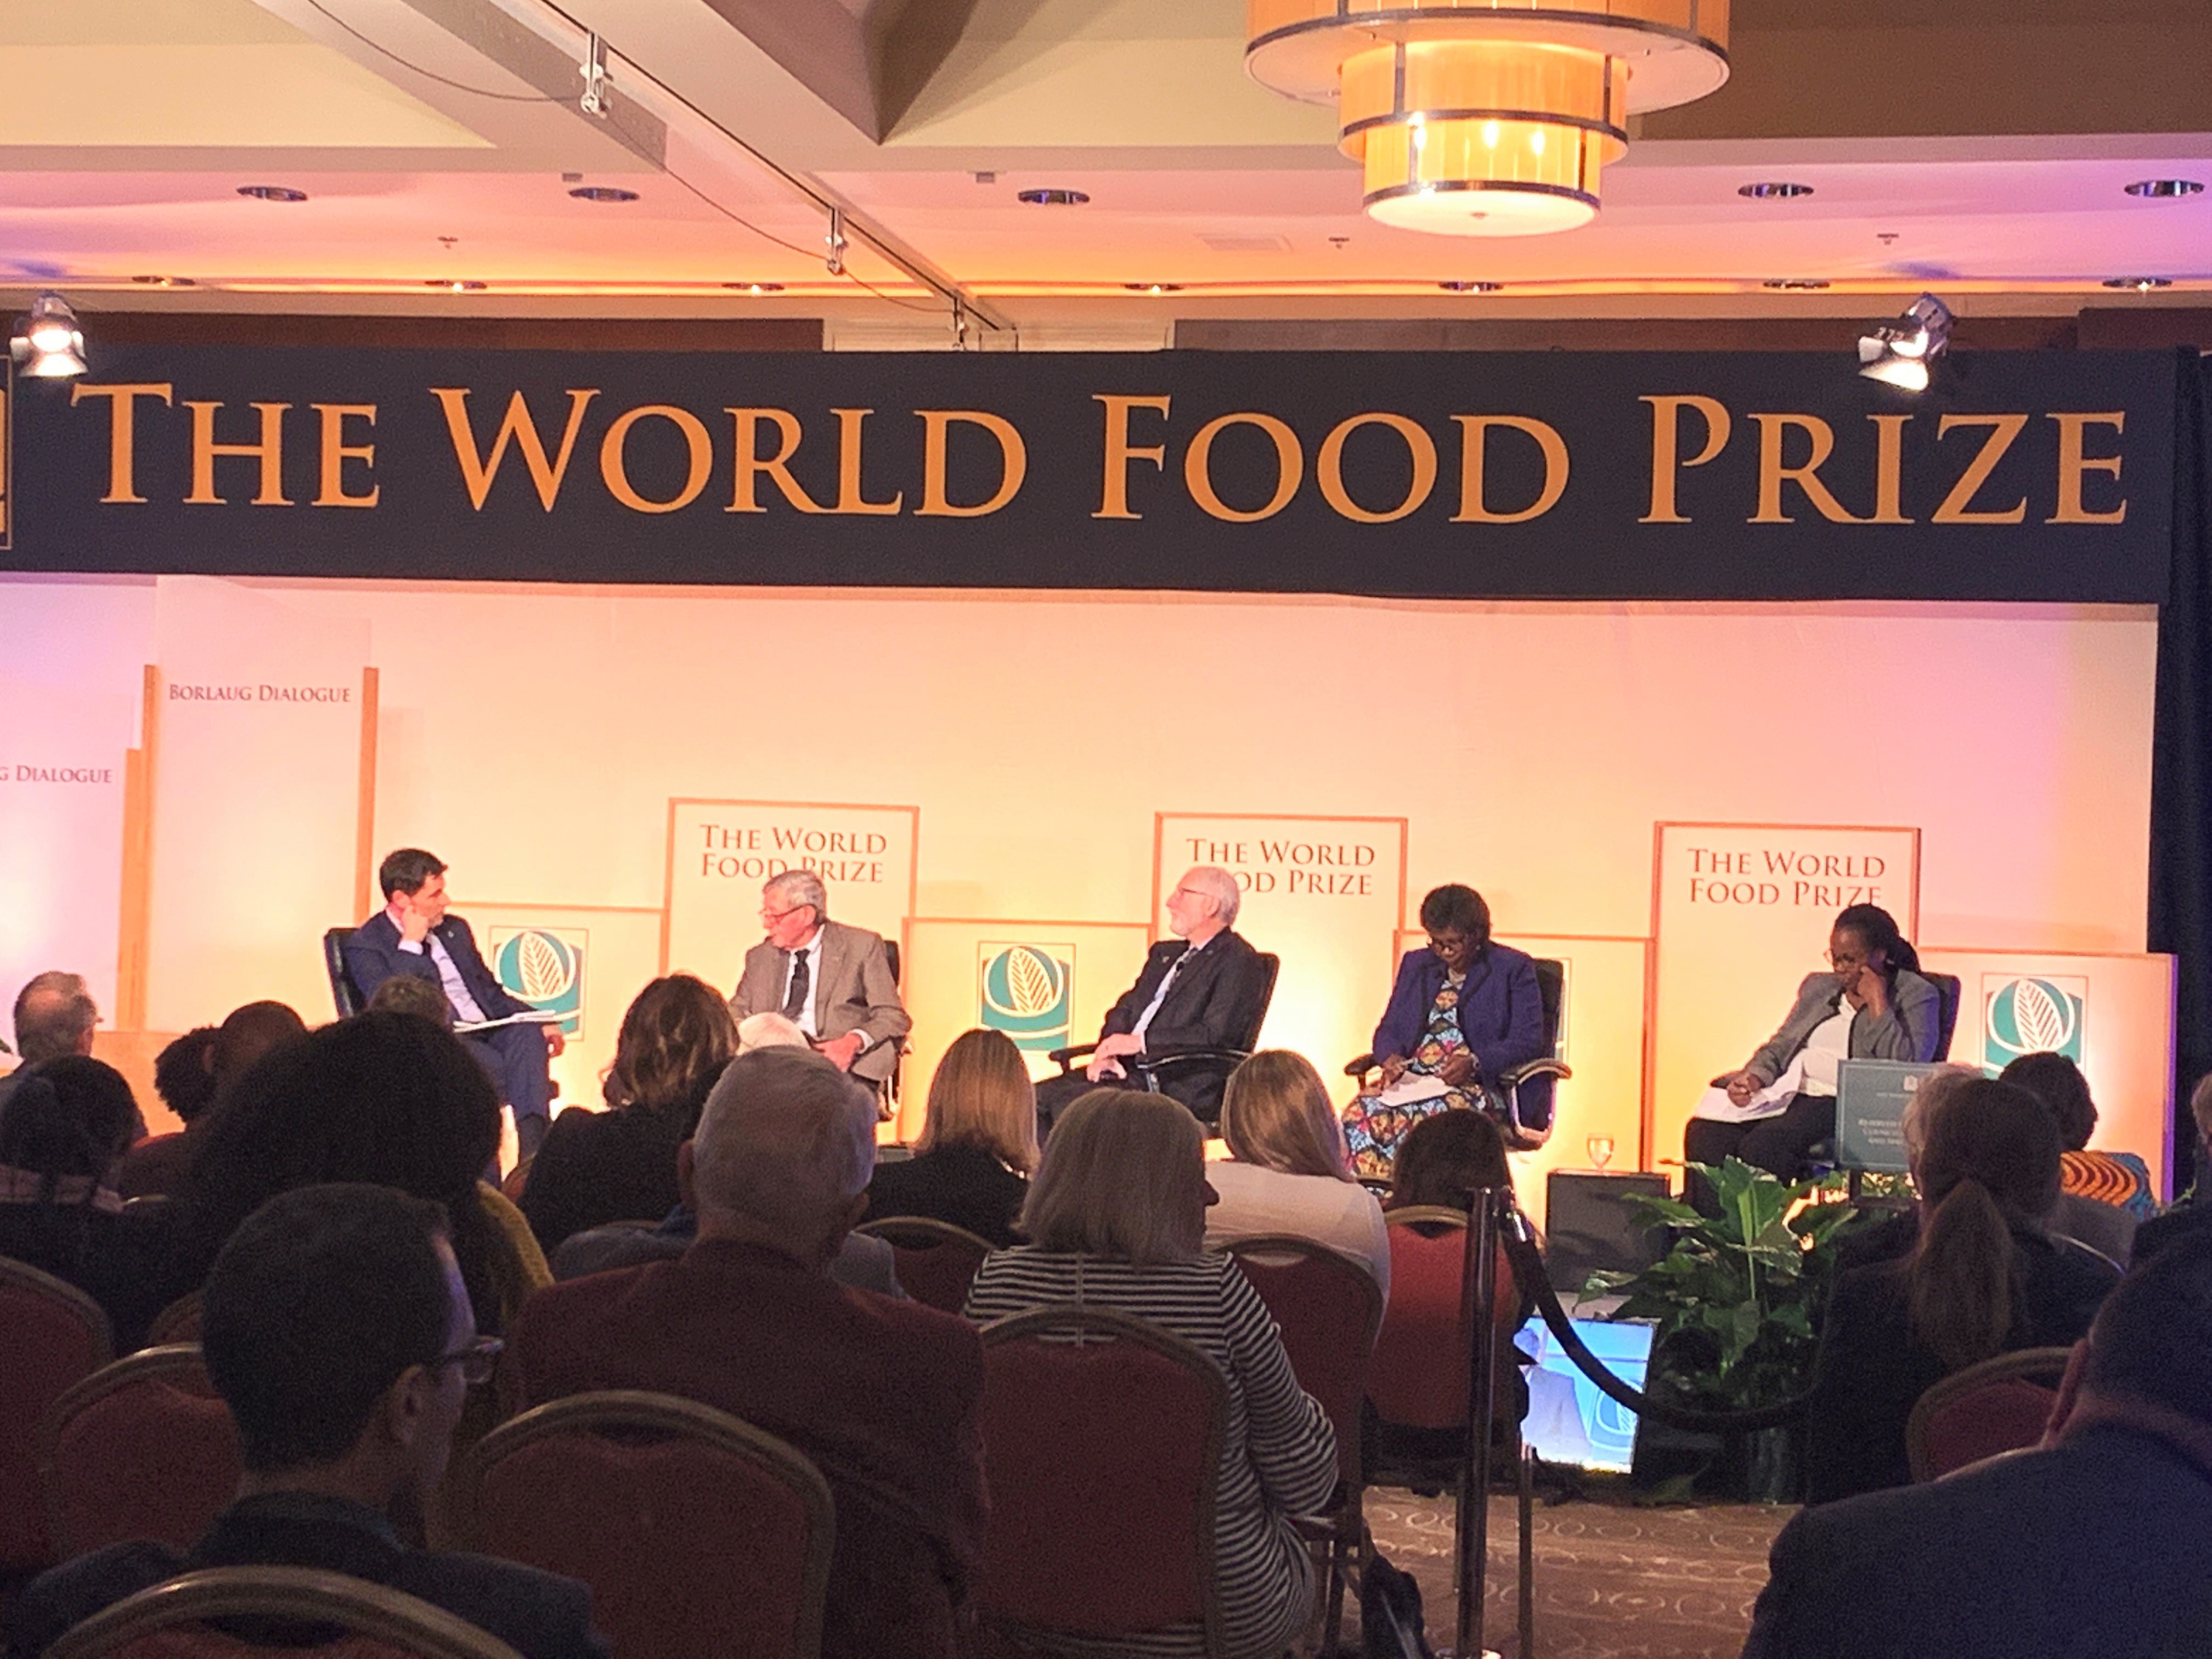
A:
(1463, 1011)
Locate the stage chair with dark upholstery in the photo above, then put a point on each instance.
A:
(1102, 1448)
(700, 1535)
(1329, 1309)
(1153, 1072)
(348, 1000)
(1998, 1405)
(171, 1620)
(56, 1336)
(141, 1448)
(1503, 1091)
(936, 1261)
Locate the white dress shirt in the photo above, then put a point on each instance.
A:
(811, 951)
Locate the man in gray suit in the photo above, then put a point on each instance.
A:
(835, 981)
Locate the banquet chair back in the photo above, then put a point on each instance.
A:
(1423, 1355)
(141, 1448)
(1329, 1309)
(178, 1322)
(1101, 1450)
(935, 1260)
(2000, 1405)
(700, 1535)
(55, 1336)
(358, 1619)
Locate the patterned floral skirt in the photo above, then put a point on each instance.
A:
(1373, 1130)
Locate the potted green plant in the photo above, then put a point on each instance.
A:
(1737, 1302)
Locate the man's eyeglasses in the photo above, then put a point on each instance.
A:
(778, 916)
(476, 1360)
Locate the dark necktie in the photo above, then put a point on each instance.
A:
(794, 999)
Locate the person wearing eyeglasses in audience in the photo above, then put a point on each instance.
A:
(338, 1331)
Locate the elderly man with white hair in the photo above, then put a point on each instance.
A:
(1204, 988)
(884, 1397)
(832, 981)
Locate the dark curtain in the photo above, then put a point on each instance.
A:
(2181, 756)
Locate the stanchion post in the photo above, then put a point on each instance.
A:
(1481, 1279)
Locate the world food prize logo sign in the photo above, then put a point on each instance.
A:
(1026, 991)
(545, 967)
(2031, 1014)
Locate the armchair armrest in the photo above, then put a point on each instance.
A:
(1514, 1076)
(1064, 1058)
(1182, 1056)
(1360, 1066)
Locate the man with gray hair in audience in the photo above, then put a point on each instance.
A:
(832, 981)
(884, 1397)
(1204, 988)
(55, 1016)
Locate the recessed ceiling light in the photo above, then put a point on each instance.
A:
(272, 192)
(1470, 287)
(2165, 188)
(166, 282)
(755, 287)
(1796, 284)
(602, 193)
(456, 287)
(2140, 284)
(1153, 288)
(1769, 188)
(1051, 197)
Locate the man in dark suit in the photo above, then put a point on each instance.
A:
(336, 1329)
(1204, 988)
(2099, 1542)
(884, 1397)
(414, 935)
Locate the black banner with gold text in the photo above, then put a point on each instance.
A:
(2026, 476)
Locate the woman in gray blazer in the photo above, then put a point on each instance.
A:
(1875, 1006)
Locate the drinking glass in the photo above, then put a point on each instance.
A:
(1600, 1151)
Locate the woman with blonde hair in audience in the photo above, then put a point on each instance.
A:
(977, 1145)
(1983, 1277)
(1287, 1170)
(620, 1164)
(1117, 1217)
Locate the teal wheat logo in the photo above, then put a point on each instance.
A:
(545, 967)
(2031, 1014)
(1026, 991)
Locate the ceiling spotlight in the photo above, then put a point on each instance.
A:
(1470, 287)
(1051, 197)
(457, 287)
(1796, 284)
(48, 345)
(2139, 284)
(1898, 354)
(755, 287)
(272, 192)
(1772, 189)
(2164, 190)
(1153, 288)
(602, 193)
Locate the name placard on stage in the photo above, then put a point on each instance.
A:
(1325, 894)
(719, 852)
(1741, 913)
(61, 819)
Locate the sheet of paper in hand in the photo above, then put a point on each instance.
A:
(1770, 1102)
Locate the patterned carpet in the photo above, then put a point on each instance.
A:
(1611, 1580)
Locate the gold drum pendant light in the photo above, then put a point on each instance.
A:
(1486, 118)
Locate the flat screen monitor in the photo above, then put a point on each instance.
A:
(1570, 1421)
